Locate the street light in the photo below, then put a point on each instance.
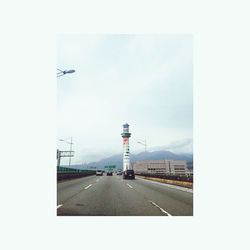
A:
(64, 72)
(65, 140)
(144, 144)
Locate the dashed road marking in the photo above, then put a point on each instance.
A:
(88, 186)
(162, 210)
(129, 185)
(59, 206)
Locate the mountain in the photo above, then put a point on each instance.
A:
(155, 155)
(177, 147)
(160, 155)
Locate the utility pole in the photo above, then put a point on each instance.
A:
(58, 157)
(71, 143)
(61, 154)
(70, 150)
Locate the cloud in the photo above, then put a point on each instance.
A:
(145, 80)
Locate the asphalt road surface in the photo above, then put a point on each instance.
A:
(113, 196)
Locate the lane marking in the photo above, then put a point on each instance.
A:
(168, 185)
(59, 206)
(129, 185)
(88, 186)
(165, 212)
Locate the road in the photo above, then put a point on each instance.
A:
(113, 196)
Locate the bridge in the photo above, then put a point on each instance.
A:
(112, 195)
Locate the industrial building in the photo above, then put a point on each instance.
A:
(162, 167)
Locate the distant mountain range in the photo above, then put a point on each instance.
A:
(155, 155)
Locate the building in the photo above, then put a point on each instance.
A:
(162, 167)
(125, 138)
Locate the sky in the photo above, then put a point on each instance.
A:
(143, 80)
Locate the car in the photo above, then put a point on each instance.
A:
(109, 173)
(129, 174)
(98, 172)
(119, 172)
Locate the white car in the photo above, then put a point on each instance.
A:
(119, 172)
(99, 172)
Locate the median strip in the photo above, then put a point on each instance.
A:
(162, 210)
(88, 186)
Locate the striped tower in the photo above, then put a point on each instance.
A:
(125, 136)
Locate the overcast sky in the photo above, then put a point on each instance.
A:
(144, 80)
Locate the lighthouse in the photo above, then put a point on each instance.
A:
(125, 137)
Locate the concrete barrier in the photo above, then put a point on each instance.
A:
(173, 182)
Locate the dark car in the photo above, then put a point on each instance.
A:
(109, 173)
(129, 174)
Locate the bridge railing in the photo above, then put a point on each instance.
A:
(70, 173)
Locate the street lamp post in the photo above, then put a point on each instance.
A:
(65, 140)
(64, 72)
(144, 144)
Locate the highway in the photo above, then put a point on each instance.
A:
(113, 196)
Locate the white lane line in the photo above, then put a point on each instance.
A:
(129, 185)
(88, 186)
(165, 212)
(59, 206)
